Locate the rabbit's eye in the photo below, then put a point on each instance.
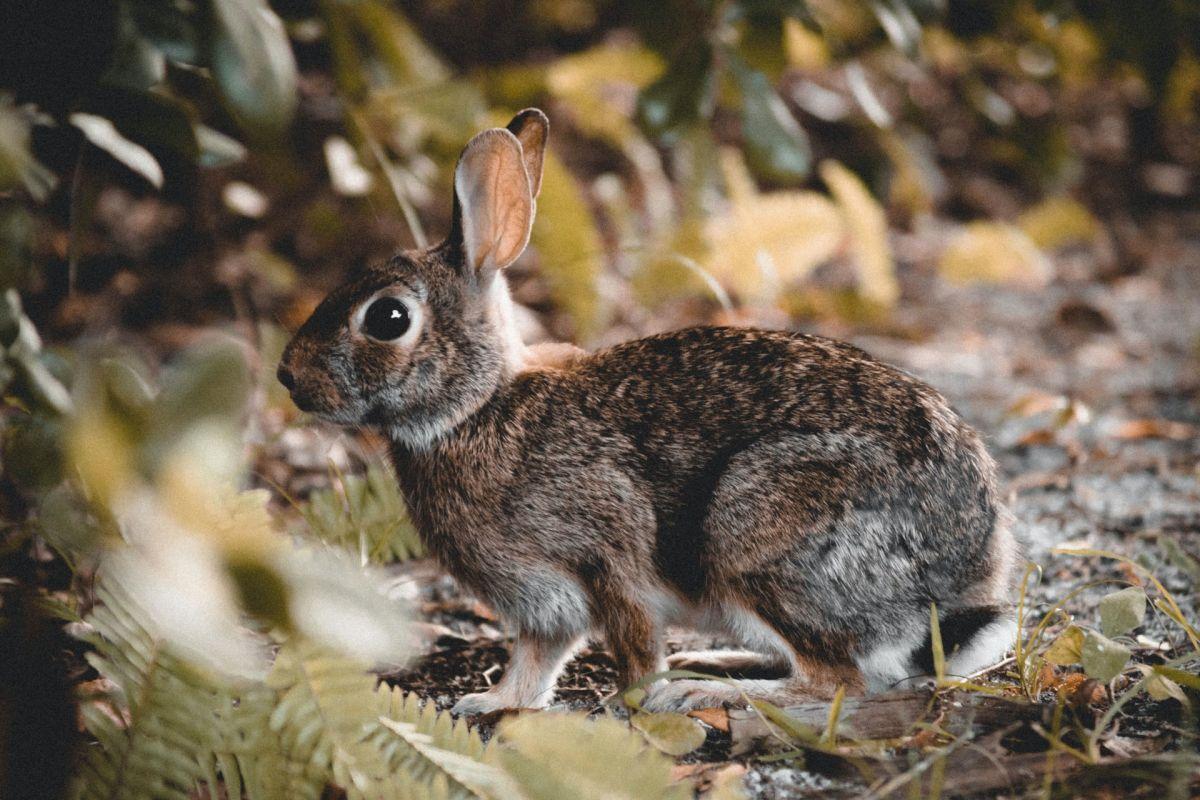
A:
(386, 319)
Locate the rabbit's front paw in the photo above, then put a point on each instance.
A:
(481, 703)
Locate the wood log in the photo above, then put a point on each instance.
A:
(893, 715)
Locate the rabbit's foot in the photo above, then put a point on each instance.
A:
(724, 662)
(688, 695)
(484, 703)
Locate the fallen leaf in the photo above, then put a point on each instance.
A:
(1067, 649)
(1035, 403)
(1122, 611)
(712, 717)
(766, 241)
(994, 252)
(674, 734)
(1041, 436)
(866, 225)
(713, 781)
(1155, 429)
(1102, 658)
(1057, 222)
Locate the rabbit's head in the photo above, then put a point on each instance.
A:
(416, 345)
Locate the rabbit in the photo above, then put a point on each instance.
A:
(782, 490)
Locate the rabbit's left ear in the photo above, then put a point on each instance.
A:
(493, 201)
(532, 129)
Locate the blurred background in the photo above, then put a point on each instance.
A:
(1003, 192)
(1001, 197)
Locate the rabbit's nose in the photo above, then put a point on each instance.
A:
(286, 377)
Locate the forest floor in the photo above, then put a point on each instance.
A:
(1088, 394)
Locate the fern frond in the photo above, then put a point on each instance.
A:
(444, 730)
(155, 753)
(183, 728)
(325, 709)
(413, 756)
(366, 516)
(417, 743)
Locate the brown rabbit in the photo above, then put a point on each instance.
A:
(784, 490)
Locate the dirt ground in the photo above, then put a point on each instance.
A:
(1088, 394)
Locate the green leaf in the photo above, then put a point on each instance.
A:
(1180, 559)
(40, 386)
(1121, 612)
(136, 63)
(686, 92)
(33, 454)
(164, 125)
(1102, 658)
(866, 224)
(17, 163)
(210, 380)
(776, 146)
(103, 134)
(15, 230)
(994, 252)
(1067, 649)
(169, 27)
(66, 522)
(217, 149)
(364, 515)
(552, 756)
(674, 734)
(253, 64)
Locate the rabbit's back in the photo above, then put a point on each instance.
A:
(718, 455)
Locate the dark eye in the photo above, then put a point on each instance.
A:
(387, 318)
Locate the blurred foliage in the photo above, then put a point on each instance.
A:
(129, 103)
(712, 153)
(230, 660)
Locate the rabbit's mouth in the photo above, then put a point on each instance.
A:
(303, 402)
(313, 397)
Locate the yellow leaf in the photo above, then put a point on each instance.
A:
(1057, 222)
(593, 83)
(570, 249)
(1079, 53)
(1067, 649)
(666, 272)
(765, 241)
(915, 179)
(866, 225)
(994, 252)
(101, 451)
(805, 49)
(1183, 87)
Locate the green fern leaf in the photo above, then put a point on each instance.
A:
(366, 516)
(154, 754)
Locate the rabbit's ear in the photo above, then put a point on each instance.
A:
(532, 129)
(493, 204)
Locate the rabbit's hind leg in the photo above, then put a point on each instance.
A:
(744, 663)
(811, 683)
